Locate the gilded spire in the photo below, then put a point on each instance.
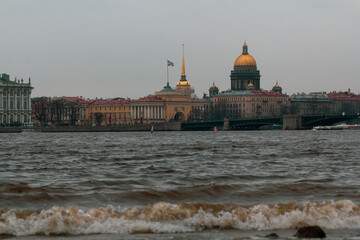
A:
(183, 64)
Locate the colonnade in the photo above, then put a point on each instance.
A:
(148, 112)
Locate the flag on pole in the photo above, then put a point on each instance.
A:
(170, 63)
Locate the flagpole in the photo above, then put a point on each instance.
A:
(167, 73)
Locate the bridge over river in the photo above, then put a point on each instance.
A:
(291, 122)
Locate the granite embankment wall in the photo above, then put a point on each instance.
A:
(123, 128)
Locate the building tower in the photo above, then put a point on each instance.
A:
(183, 85)
(277, 88)
(245, 75)
(213, 90)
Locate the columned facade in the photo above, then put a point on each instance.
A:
(15, 101)
(148, 112)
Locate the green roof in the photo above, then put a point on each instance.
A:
(309, 97)
(235, 93)
(167, 88)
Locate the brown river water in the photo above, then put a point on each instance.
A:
(179, 185)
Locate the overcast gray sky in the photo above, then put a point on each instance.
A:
(114, 48)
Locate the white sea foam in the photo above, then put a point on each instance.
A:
(164, 217)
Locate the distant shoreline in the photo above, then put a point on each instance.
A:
(120, 128)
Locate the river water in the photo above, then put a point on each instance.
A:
(179, 185)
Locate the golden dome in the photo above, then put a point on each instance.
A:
(245, 59)
(213, 86)
(250, 84)
(183, 83)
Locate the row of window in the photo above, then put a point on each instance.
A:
(113, 108)
(11, 105)
(238, 99)
(17, 94)
(13, 118)
(114, 115)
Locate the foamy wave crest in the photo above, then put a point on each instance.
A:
(164, 217)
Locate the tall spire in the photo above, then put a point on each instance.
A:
(183, 64)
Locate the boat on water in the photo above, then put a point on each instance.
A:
(337, 127)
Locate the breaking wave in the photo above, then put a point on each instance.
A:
(163, 217)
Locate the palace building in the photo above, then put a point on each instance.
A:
(15, 101)
(168, 104)
(109, 112)
(165, 106)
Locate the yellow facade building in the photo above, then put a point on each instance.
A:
(166, 105)
(109, 112)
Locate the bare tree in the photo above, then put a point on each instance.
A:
(98, 118)
(40, 108)
(73, 109)
(57, 111)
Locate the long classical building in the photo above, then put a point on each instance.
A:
(165, 106)
(15, 101)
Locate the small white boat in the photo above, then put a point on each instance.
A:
(336, 127)
(152, 129)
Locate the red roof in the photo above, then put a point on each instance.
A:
(77, 99)
(150, 98)
(110, 102)
(272, 93)
(343, 96)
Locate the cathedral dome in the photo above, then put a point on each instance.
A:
(245, 59)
